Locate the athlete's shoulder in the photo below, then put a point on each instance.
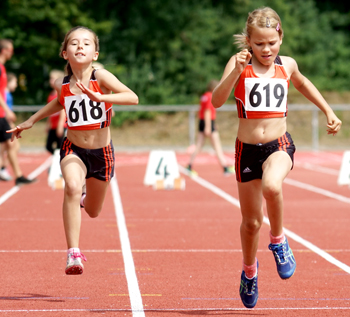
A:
(289, 64)
(102, 73)
(288, 61)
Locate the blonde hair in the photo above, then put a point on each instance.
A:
(264, 17)
(64, 44)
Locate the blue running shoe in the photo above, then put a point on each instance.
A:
(284, 258)
(249, 290)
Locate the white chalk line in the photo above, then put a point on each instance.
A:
(168, 251)
(130, 272)
(184, 310)
(289, 233)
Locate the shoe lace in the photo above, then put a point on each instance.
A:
(79, 255)
(279, 250)
(249, 285)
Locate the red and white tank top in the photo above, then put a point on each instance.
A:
(81, 112)
(259, 98)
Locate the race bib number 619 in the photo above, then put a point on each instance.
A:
(81, 110)
(266, 94)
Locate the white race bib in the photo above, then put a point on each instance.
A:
(82, 111)
(266, 94)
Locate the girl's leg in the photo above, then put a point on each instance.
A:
(216, 143)
(250, 198)
(275, 169)
(73, 172)
(199, 144)
(96, 191)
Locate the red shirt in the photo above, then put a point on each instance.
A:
(54, 118)
(3, 85)
(206, 105)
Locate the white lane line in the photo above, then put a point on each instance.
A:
(317, 190)
(44, 166)
(316, 168)
(168, 251)
(130, 272)
(181, 310)
(288, 233)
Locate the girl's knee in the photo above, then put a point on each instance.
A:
(251, 226)
(72, 188)
(271, 190)
(92, 212)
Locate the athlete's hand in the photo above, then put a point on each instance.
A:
(242, 60)
(333, 124)
(93, 95)
(16, 132)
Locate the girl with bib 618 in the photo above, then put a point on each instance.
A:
(87, 155)
(264, 149)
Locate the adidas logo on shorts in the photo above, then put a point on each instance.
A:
(247, 170)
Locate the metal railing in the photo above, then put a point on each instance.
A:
(193, 109)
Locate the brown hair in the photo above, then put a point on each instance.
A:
(64, 44)
(212, 84)
(264, 17)
(4, 43)
(11, 76)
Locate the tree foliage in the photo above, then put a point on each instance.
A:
(165, 50)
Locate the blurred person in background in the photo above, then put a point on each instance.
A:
(207, 129)
(56, 123)
(7, 116)
(12, 84)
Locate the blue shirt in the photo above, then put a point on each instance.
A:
(9, 99)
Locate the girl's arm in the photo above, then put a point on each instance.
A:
(61, 122)
(122, 95)
(307, 88)
(51, 108)
(9, 113)
(233, 70)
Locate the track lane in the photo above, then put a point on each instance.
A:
(189, 254)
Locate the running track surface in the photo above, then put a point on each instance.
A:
(174, 253)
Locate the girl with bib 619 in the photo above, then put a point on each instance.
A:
(264, 149)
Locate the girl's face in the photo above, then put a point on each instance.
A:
(80, 48)
(265, 43)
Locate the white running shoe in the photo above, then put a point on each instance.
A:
(5, 175)
(74, 265)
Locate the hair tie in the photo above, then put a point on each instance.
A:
(268, 23)
(278, 27)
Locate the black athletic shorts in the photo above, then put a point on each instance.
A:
(4, 126)
(201, 125)
(249, 158)
(99, 162)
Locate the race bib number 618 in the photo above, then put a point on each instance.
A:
(266, 94)
(81, 110)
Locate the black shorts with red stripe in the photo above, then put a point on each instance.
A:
(99, 162)
(249, 158)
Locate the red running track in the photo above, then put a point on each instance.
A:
(174, 253)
